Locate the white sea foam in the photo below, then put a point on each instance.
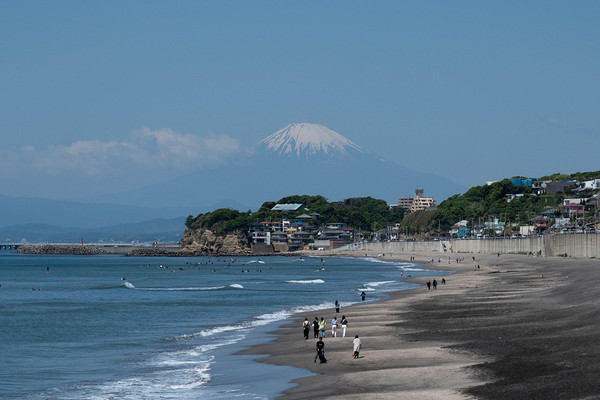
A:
(400, 265)
(307, 281)
(376, 284)
(366, 289)
(378, 261)
(236, 286)
(185, 289)
(373, 286)
(167, 383)
(128, 285)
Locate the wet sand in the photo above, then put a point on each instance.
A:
(520, 327)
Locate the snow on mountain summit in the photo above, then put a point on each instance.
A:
(308, 139)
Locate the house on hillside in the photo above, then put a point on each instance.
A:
(259, 233)
(539, 187)
(587, 186)
(460, 229)
(496, 226)
(522, 181)
(550, 187)
(557, 187)
(287, 207)
(511, 197)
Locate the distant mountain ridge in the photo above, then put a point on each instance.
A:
(32, 210)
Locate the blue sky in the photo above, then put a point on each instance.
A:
(470, 90)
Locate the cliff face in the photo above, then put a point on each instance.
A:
(204, 241)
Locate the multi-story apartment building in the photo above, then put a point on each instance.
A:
(419, 202)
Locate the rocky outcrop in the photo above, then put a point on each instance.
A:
(205, 242)
(76, 249)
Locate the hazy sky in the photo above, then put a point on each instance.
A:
(470, 90)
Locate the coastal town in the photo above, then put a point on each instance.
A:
(297, 229)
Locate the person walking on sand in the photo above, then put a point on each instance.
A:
(344, 325)
(428, 285)
(363, 295)
(320, 351)
(434, 284)
(337, 307)
(334, 324)
(356, 349)
(316, 327)
(322, 328)
(306, 327)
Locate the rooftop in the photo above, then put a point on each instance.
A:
(286, 207)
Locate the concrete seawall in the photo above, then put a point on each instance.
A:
(570, 245)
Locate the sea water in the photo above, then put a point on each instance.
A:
(113, 327)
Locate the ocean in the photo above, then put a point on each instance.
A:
(114, 327)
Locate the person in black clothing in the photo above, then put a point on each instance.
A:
(434, 284)
(316, 327)
(306, 328)
(363, 295)
(337, 307)
(429, 285)
(320, 351)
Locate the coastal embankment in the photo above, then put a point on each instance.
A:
(548, 245)
(97, 249)
(517, 327)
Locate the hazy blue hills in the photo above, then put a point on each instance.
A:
(27, 210)
(156, 230)
(43, 220)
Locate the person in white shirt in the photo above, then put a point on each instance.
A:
(356, 347)
(334, 324)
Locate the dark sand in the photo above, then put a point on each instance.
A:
(521, 327)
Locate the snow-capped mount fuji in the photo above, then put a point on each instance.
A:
(301, 158)
(306, 140)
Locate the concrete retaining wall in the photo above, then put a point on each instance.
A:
(571, 245)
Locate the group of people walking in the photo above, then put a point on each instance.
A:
(435, 284)
(319, 326)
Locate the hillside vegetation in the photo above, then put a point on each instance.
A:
(363, 213)
(489, 201)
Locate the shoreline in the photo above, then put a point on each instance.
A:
(513, 329)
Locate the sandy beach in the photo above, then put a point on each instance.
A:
(519, 327)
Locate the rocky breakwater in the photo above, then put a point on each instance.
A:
(204, 242)
(75, 249)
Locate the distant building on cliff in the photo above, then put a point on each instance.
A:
(419, 202)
